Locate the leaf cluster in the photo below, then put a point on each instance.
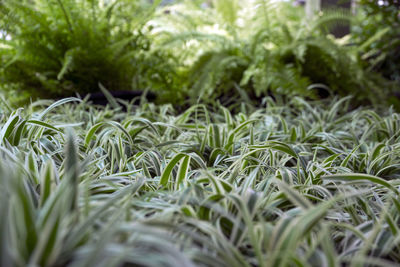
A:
(265, 48)
(298, 184)
(377, 30)
(62, 47)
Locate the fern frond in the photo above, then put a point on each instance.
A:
(331, 18)
(59, 48)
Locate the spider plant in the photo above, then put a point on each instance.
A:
(305, 183)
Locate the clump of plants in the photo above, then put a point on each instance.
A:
(59, 48)
(283, 54)
(379, 24)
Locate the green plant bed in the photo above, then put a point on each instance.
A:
(306, 183)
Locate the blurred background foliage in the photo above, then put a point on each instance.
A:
(379, 22)
(195, 50)
(259, 48)
(57, 48)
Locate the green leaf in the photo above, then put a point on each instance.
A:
(43, 124)
(182, 171)
(358, 177)
(56, 104)
(47, 179)
(8, 127)
(168, 169)
(113, 102)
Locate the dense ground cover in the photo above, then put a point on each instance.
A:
(305, 183)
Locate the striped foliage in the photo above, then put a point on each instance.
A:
(306, 184)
